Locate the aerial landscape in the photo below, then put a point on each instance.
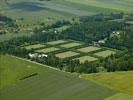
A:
(66, 49)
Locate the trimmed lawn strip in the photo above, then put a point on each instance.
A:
(88, 49)
(47, 50)
(66, 54)
(105, 53)
(86, 58)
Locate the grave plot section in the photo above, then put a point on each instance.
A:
(70, 45)
(34, 46)
(105, 53)
(47, 50)
(56, 42)
(87, 58)
(66, 54)
(88, 49)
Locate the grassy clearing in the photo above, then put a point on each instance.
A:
(56, 42)
(88, 49)
(87, 58)
(120, 96)
(34, 46)
(66, 54)
(50, 84)
(105, 53)
(47, 50)
(120, 81)
(70, 45)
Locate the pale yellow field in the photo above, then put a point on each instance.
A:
(120, 81)
(88, 49)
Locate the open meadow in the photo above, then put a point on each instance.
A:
(49, 84)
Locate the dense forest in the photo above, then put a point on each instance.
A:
(116, 34)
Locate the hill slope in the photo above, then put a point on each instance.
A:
(49, 84)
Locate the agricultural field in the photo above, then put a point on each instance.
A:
(119, 5)
(49, 84)
(86, 58)
(70, 45)
(120, 81)
(105, 53)
(47, 50)
(56, 42)
(88, 49)
(66, 54)
(34, 46)
(120, 96)
(50, 11)
(13, 69)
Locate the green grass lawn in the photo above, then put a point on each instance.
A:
(47, 50)
(70, 45)
(88, 49)
(56, 42)
(86, 58)
(105, 53)
(50, 84)
(12, 69)
(120, 81)
(34, 46)
(66, 54)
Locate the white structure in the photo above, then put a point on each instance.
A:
(101, 41)
(38, 56)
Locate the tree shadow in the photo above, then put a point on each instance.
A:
(28, 6)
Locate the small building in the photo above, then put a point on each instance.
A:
(39, 57)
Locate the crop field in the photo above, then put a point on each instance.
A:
(66, 54)
(105, 53)
(70, 45)
(87, 58)
(56, 42)
(47, 50)
(120, 81)
(88, 49)
(49, 84)
(34, 46)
